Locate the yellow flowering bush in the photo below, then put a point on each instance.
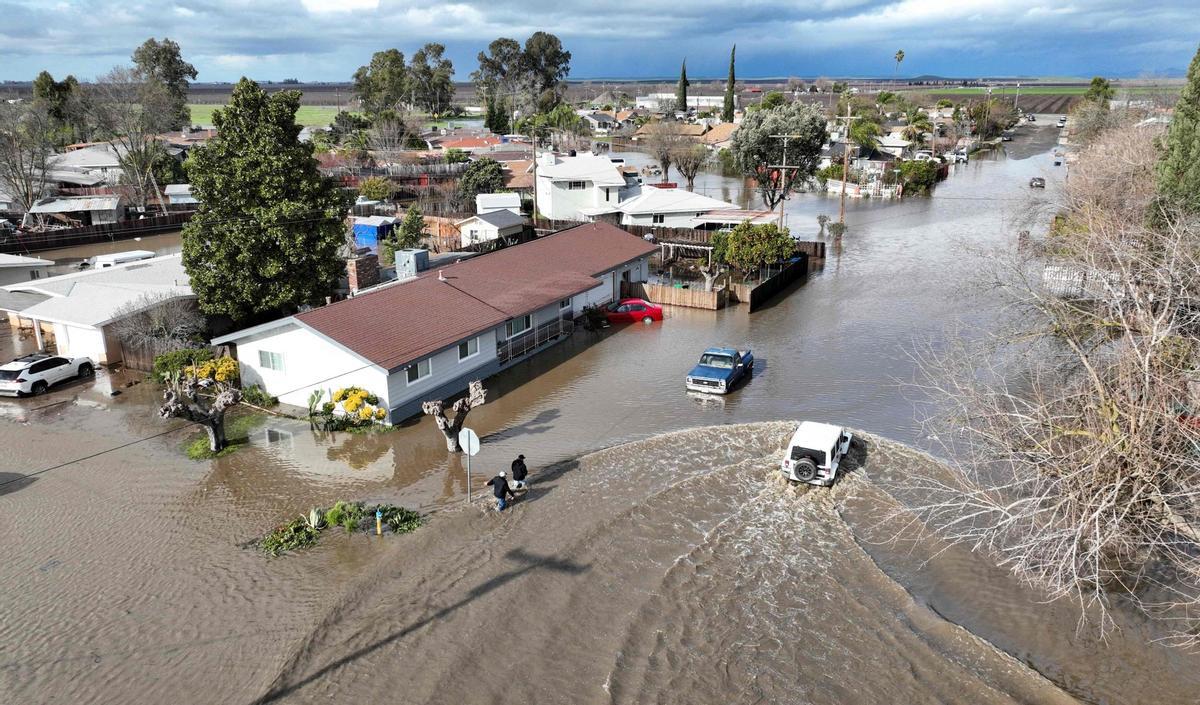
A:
(224, 370)
(358, 406)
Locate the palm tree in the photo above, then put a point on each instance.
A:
(884, 99)
(899, 58)
(865, 133)
(918, 125)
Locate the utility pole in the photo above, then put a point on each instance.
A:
(848, 117)
(783, 172)
(1017, 100)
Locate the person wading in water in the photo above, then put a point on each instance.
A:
(501, 490)
(519, 472)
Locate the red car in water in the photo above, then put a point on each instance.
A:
(630, 310)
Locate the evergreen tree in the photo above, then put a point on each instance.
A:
(269, 233)
(1179, 165)
(727, 111)
(162, 63)
(681, 101)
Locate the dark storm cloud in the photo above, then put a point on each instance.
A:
(327, 39)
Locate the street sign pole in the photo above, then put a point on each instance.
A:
(469, 442)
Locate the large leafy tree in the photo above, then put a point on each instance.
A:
(758, 152)
(430, 77)
(482, 176)
(728, 109)
(749, 247)
(63, 101)
(269, 231)
(500, 70)
(162, 63)
(546, 64)
(382, 84)
(1179, 165)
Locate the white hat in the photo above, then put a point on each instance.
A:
(502, 473)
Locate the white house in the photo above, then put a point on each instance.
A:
(428, 336)
(490, 202)
(600, 123)
(98, 160)
(81, 307)
(668, 101)
(580, 187)
(668, 207)
(15, 269)
(490, 227)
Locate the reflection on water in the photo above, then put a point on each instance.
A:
(690, 575)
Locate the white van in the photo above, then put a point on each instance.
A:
(815, 453)
(112, 260)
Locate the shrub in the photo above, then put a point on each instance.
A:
(297, 533)
(255, 395)
(347, 515)
(351, 407)
(223, 369)
(376, 188)
(917, 176)
(398, 519)
(177, 360)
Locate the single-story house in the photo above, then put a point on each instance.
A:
(427, 337)
(15, 269)
(600, 122)
(83, 210)
(369, 230)
(684, 129)
(668, 207)
(719, 136)
(490, 227)
(490, 202)
(82, 306)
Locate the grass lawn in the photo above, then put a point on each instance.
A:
(237, 432)
(307, 115)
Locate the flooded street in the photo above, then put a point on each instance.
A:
(657, 558)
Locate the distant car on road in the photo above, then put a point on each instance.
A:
(815, 453)
(630, 310)
(36, 373)
(1062, 122)
(719, 370)
(1031, 117)
(1037, 182)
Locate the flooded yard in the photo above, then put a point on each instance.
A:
(650, 563)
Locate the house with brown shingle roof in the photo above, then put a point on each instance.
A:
(428, 336)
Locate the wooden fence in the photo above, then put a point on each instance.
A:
(676, 296)
(23, 241)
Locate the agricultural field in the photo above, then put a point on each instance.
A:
(308, 115)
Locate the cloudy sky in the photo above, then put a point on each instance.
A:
(327, 39)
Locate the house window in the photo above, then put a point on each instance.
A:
(419, 371)
(468, 349)
(658, 218)
(564, 304)
(518, 326)
(35, 274)
(576, 185)
(270, 360)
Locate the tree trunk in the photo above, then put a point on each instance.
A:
(216, 435)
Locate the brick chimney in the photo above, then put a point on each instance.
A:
(362, 272)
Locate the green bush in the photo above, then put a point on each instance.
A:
(398, 519)
(173, 362)
(918, 177)
(255, 395)
(347, 515)
(297, 533)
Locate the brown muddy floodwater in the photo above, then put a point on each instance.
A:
(657, 558)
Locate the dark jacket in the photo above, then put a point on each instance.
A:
(500, 488)
(519, 471)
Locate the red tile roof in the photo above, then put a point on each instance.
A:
(397, 324)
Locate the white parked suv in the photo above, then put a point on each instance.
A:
(36, 373)
(815, 453)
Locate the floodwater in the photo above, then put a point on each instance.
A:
(657, 558)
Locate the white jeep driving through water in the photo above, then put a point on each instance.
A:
(815, 453)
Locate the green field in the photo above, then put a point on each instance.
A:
(308, 115)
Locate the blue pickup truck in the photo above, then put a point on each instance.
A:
(719, 370)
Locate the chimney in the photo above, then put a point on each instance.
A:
(362, 272)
